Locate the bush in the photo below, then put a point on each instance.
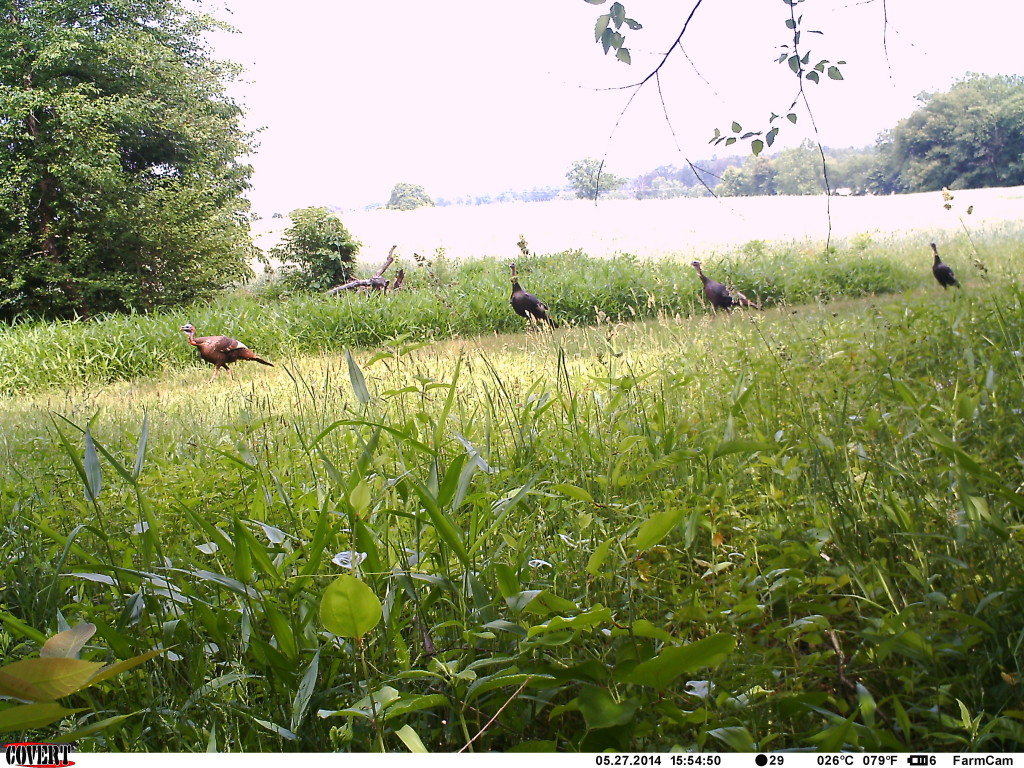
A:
(318, 250)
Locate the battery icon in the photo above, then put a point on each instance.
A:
(917, 760)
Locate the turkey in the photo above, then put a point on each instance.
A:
(943, 272)
(220, 350)
(720, 296)
(526, 304)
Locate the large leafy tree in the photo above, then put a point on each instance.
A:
(588, 178)
(120, 181)
(406, 197)
(970, 136)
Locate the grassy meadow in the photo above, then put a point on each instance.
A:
(648, 529)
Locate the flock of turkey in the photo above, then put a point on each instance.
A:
(222, 350)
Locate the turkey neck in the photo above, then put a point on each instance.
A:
(192, 339)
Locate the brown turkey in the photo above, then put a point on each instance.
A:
(220, 350)
(720, 296)
(526, 304)
(943, 272)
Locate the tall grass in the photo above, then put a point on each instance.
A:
(791, 529)
(463, 299)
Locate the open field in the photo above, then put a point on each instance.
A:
(651, 528)
(659, 227)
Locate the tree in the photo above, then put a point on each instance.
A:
(318, 250)
(970, 136)
(120, 186)
(798, 171)
(588, 179)
(406, 197)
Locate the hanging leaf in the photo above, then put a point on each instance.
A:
(834, 73)
(349, 608)
(756, 146)
(623, 56)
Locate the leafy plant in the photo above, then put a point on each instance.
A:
(56, 674)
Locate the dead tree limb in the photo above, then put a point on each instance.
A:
(377, 282)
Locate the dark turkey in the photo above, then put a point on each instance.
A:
(720, 296)
(526, 304)
(220, 350)
(943, 272)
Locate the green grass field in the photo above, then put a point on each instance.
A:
(649, 529)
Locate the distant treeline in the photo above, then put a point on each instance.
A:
(968, 137)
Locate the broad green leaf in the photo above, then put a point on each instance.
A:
(508, 584)
(305, 691)
(349, 608)
(67, 644)
(601, 25)
(735, 736)
(17, 627)
(411, 739)
(572, 491)
(91, 728)
(600, 710)
(503, 679)
(726, 447)
(599, 555)
(356, 377)
(595, 617)
(442, 523)
(26, 717)
(656, 527)
(834, 73)
(623, 56)
(93, 473)
(756, 146)
(544, 603)
(140, 453)
(117, 668)
(46, 679)
(660, 671)
(359, 498)
(408, 704)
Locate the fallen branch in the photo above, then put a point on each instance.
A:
(377, 282)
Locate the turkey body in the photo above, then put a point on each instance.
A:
(719, 295)
(526, 304)
(220, 350)
(943, 272)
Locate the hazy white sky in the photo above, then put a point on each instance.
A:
(474, 97)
